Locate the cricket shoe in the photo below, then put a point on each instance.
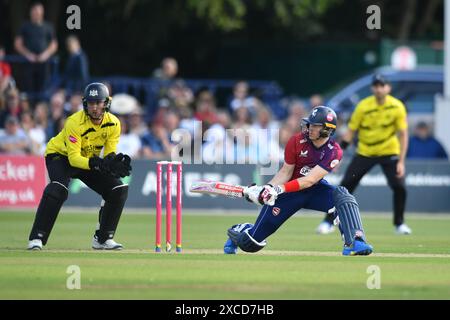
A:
(229, 247)
(35, 244)
(109, 244)
(403, 229)
(358, 248)
(325, 228)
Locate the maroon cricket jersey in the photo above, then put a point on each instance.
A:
(301, 152)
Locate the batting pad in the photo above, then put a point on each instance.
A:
(348, 213)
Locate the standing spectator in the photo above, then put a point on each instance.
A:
(168, 70)
(36, 41)
(13, 140)
(422, 145)
(382, 127)
(76, 74)
(5, 72)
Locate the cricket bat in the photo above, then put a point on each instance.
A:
(217, 188)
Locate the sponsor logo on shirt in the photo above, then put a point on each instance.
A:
(334, 163)
(304, 154)
(305, 171)
(72, 139)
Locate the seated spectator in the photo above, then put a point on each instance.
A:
(12, 106)
(219, 146)
(315, 100)
(129, 143)
(74, 104)
(57, 102)
(180, 97)
(24, 102)
(241, 118)
(241, 98)
(264, 138)
(422, 145)
(41, 116)
(13, 140)
(136, 123)
(36, 134)
(157, 143)
(205, 108)
(76, 73)
(5, 72)
(168, 69)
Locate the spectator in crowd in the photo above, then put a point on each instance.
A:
(76, 73)
(41, 116)
(422, 145)
(12, 106)
(315, 100)
(13, 140)
(136, 123)
(180, 97)
(36, 41)
(241, 98)
(35, 134)
(168, 69)
(264, 138)
(24, 102)
(74, 104)
(5, 72)
(219, 146)
(205, 108)
(157, 144)
(129, 143)
(242, 118)
(57, 102)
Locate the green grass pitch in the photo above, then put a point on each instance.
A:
(296, 264)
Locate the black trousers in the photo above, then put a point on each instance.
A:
(360, 165)
(112, 190)
(60, 170)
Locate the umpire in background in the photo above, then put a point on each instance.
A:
(381, 123)
(75, 153)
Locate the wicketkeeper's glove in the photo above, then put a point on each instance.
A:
(121, 165)
(117, 166)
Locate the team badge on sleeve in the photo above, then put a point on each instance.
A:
(334, 163)
(276, 211)
(72, 139)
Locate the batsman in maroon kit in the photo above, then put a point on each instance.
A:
(309, 157)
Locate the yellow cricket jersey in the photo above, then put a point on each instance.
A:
(377, 126)
(80, 139)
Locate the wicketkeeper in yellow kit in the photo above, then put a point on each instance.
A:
(75, 153)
